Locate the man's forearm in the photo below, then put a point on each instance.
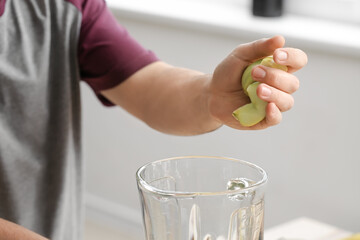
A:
(174, 100)
(12, 231)
(180, 103)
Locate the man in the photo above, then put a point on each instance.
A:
(47, 46)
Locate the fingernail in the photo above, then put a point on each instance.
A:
(265, 92)
(259, 73)
(282, 55)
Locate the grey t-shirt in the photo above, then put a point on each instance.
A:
(46, 47)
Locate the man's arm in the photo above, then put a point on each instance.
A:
(186, 102)
(12, 231)
(169, 99)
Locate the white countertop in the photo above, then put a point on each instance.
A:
(297, 229)
(305, 229)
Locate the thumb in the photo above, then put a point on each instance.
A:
(228, 72)
(253, 51)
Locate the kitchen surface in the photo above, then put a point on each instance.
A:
(299, 229)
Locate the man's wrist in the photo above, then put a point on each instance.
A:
(214, 123)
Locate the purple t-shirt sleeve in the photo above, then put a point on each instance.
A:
(107, 55)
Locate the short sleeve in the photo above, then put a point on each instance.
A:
(107, 54)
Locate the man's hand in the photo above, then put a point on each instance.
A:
(186, 102)
(226, 93)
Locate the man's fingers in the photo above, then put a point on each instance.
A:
(277, 78)
(258, 49)
(294, 58)
(273, 115)
(283, 101)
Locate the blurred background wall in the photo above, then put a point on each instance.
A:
(312, 157)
